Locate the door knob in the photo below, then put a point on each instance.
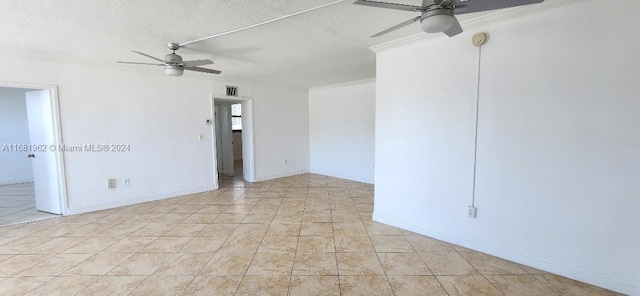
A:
(31, 156)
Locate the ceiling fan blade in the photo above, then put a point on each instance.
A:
(455, 28)
(484, 5)
(396, 27)
(203, 70)
(389, 5)
(132, 63)
(197, 63)
(146, 55)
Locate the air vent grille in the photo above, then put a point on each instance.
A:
(232, 91)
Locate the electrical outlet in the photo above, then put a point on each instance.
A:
(286, 161)
(472, 212)
(111, 184)
(126, 181)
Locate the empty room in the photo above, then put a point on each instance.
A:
(320, 147)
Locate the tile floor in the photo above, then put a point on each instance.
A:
(303, 235)
(18, 205)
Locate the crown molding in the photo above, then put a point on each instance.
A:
(344, 84)
(479, 22)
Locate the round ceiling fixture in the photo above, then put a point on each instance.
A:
(437, 20)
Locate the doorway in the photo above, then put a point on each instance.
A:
(31, 173)
(233, 140)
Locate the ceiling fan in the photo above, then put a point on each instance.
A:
(174, 65)
(439, 15)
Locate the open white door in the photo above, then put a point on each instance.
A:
(224, 140)
(41, 131)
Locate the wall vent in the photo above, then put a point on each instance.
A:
(232, 91)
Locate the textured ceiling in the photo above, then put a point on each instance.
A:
(322, 47)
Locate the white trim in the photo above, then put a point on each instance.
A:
(476, 23)
(57, 136)
(141, 199)
(616, 282)
(342, 176)
(344, 84)
(16, 181)
(248, 136)
(281, 175)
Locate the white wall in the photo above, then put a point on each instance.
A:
(161, 118)
(558, 141)
(342, 130)
(15, 167)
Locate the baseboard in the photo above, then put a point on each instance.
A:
(281, 175)
(343, 176)
(139, 199)
(16, 181)
(615, 282)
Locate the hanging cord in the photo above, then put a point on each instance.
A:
(475, 148)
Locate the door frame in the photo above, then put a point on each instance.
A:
(57, 136)
(248, 136)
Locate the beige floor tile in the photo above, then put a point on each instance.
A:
(99, 264)
(203, 244)
(62, 286)
(154, 229)
(314, 286)
(279, 229)
(426, 244)
(200, 219)
(568, 287)
(278, 244)
(353, 244)
(292, 235)
(316, 229)
(468, 285)
(92, 245)
(381, 229)
(218, 230)
(489, 265)
(365, 285)
(359, 264)
(403, 264)
(18, 263)
(316, 244)
(185, 230)
(166, 245)
(163, 285)
(214, 285)
(21, 245)
(315, 264)
(55, 265)
(141, 264)
(21, 285)
(519, 285)
(129, 245)
(447, 263)
(391, 243)
(263, 285)
(271, 264)
(416, 285)
(113, 285)
(184, 264)
(227, 264)
(56, 245)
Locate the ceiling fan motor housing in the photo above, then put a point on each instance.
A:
(437, 20)
(173, 59)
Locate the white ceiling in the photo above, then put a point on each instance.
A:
(323, 47)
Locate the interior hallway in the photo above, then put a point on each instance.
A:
(18, 205)
(302, 235)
